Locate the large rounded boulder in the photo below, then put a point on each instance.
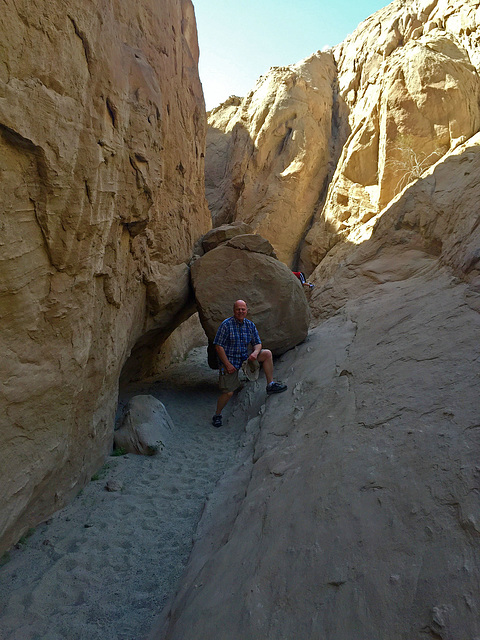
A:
(275, 297)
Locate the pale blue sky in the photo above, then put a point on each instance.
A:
(241, 39)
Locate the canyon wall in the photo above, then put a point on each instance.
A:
(436, 218)
(102, 128)
(353, 512)
(343, 132)
(409, 79)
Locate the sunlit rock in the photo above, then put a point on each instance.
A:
(268, 155)
(421, 101)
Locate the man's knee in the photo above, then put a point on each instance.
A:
(265, 354)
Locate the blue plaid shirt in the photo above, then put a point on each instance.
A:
(235, 337)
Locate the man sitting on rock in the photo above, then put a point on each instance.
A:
(234, 336)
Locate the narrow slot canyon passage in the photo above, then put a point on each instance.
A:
(105, 566)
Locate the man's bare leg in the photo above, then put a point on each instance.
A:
(265, 357)
(222, 401)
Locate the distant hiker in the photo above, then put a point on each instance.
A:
(232, 342)
(301, 276)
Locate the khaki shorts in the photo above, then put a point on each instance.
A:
(229, 382)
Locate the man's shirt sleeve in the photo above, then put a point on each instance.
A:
(222, 335)
(255, 336)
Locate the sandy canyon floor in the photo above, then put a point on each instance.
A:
(105, 566)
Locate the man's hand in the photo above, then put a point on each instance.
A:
(255, 352)
(230, 368)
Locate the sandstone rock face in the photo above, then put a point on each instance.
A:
(412, 93)
(358, 516)
(277, 304)
(146, 427)
(435, 216)
(101, 156)
(268, 154)
(402, 90)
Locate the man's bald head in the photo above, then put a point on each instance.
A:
(240, 310)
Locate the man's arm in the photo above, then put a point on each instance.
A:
(256, 350)
(257, 343)
(224, 360)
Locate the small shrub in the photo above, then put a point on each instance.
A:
(410, 164)
(120, 451)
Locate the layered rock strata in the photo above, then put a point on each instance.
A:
(101, 154)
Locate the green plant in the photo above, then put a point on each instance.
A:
(120, 451)
(4, 558)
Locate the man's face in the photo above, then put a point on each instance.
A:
(239, 311)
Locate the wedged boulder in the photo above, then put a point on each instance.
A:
(275, 297)
(225, 232)
(167, 291)
(146, 426)
(252, 242)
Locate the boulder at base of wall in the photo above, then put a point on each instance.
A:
(146, 427)
(276, 301)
